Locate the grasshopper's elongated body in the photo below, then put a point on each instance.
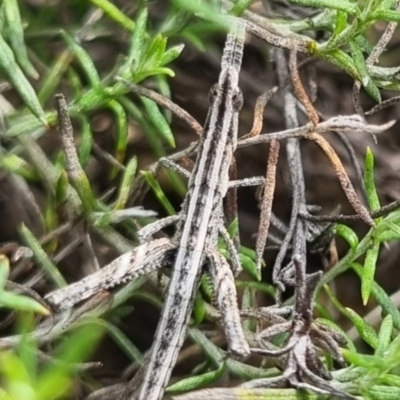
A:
(195, 242)
(201, 218)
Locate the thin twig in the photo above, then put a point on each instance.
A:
(373, 59)
(267, 199)
(296, 231)
(385, 210)
(383, 105)
(343, 177)
(299, 88)
(168, 104)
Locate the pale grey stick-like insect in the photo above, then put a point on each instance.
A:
(199, 224)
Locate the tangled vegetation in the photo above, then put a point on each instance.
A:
(73, 203)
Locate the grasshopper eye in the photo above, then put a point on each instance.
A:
(212, 94)
(237, 100)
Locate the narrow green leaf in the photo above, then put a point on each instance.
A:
(62, 187)
(194, 40)
(369, 7)
(389, 85)
(233, 228)
(2, 19)
(340, 22)
(385, 335)
(372, 89)
(365, 330)
(387, 15)
(201, 368)
(155, 143)
(388, 229)
(382, 298)
(27, 346)
(127, 182)
(105, 218)
(171, 54)
(248, 302)
(240, 6)
(387, 4)
(16, 165)
(207, 11)
(378, 392)
(51, 222)
(27, 123)
(141, 75)
(199, 309)
(155, 186)
(13, 370)
(348, 235)
(366, 46)
(53, 76)
(42, 258)
(341, 60)
(159, 121)
(82, 185)
(362, 360)
(360, 64)
(84, 59)
(390, 379)
(154, 53)
(19, 302)
(336, 41)
(165, 90)
(368, 275)
(369, 181)
(387, 236)
(243, 371)
(351, 373)
(16, 37)
(115, 14)
(81, 343)
(335, 301)
(18, 80)
(4, 269)
(55, 385)
(249, 263)
(137, 44)
(393, 227)
(85, 144)
(74, 80)
(92, 99)
(101, 219)
(248, 252)
(392, 356)
(394, 217)
(323, 310)
(119, 337)
(122, 132)
(207, 286)
(196, 382)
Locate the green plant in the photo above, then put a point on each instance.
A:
(339, 32)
